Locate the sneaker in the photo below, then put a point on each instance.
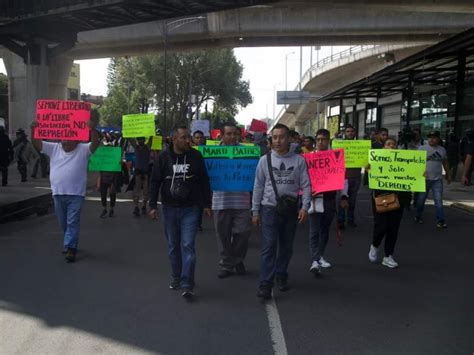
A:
(373, 254)
(352, 224)
(389, 262)
(240, 269)
(264, 292)
(71, 255)
(103, 214)
(111, 213)
(282, 284)
(418, 220)
(174, 284)
(441, 224)
(222, 274)
(315, 268)
(187, 293)
(136, 211)
(323, 263)
(144, 210)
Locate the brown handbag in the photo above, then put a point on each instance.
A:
(386, 203)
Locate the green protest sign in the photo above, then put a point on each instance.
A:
(229, 151)
(138, 125)
(248, 144)
(106, 159)
(212, 142)
(157, 143)
(356, 152)
(397, 170)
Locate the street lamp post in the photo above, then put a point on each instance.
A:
(167, 28)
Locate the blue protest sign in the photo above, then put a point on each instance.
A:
(235, 175)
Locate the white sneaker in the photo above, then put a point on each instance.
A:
(389, 262)
(315, 268)
(323, 263)
(373, 254)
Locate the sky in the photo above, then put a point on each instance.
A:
(264, 67)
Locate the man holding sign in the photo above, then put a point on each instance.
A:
(68, 175)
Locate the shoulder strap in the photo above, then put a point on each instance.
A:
(270, 171)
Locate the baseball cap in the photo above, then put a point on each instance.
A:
(433, 134)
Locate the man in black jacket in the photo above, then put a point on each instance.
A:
(6, 155)
(180, 176)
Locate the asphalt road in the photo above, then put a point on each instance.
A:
(115, 298)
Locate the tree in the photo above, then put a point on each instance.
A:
(4, 96)
(137, 84)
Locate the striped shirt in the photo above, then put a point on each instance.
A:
(224, 200)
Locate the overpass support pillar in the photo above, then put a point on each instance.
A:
(28, 82)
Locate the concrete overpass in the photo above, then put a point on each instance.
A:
(42, 73)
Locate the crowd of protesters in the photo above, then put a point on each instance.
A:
(281, 198)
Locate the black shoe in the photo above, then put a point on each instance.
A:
(418, 220)
(174, 284)
(103, 214)
(136, 211)
(111, 213)
(144, 210)
(187, 293)
(222, 274)
(352, 224)
(282, 284)
(4, 184)
(264, 292)
(240, 269)
(71, 255)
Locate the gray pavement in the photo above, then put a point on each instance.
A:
(115, 298)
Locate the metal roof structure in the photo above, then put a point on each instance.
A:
(437, 65)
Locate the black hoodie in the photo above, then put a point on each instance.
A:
(173, 169)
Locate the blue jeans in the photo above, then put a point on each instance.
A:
(275, 230)
(68, 210)
(181, 224)
(437, 187)
(319, 225)
(354, 185)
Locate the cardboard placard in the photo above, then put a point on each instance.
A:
(62, 120)
(356, 152)
(157, 143)
(258, 126)
(138, 125)
(200, 125)
(235, 175)
(326, 170)
(229, 152)
(106, 159)
(397, 170)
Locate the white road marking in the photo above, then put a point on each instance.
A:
(276, 330)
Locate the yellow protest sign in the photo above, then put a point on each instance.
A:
(397, 170)
(157, 143)
(212, 142)
(138, 125)
(356, 152)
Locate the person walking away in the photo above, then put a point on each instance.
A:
(354, 179)
(108, 183)
(180, 177)
(468, 165)
(232, 220)
(24, 153)
(436, 159)
(280, 175)
(68, 175)
(452, 149)
(141, 171)
(321, 213)
(387, 224)
(41, 162)
(6, 155)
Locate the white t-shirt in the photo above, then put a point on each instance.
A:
(68, 170)
(434, 161)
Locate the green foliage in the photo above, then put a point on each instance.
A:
(137, 85)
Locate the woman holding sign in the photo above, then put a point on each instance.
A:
(388, 211)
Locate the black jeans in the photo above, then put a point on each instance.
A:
(103, 195)
(43, 163)
(386, 226)
(4, 170)
(354, 185)
(22, 169)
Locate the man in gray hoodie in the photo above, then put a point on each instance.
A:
(277, 211)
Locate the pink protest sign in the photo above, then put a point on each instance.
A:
(62, 120)
(326, 170)
(258, 126)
